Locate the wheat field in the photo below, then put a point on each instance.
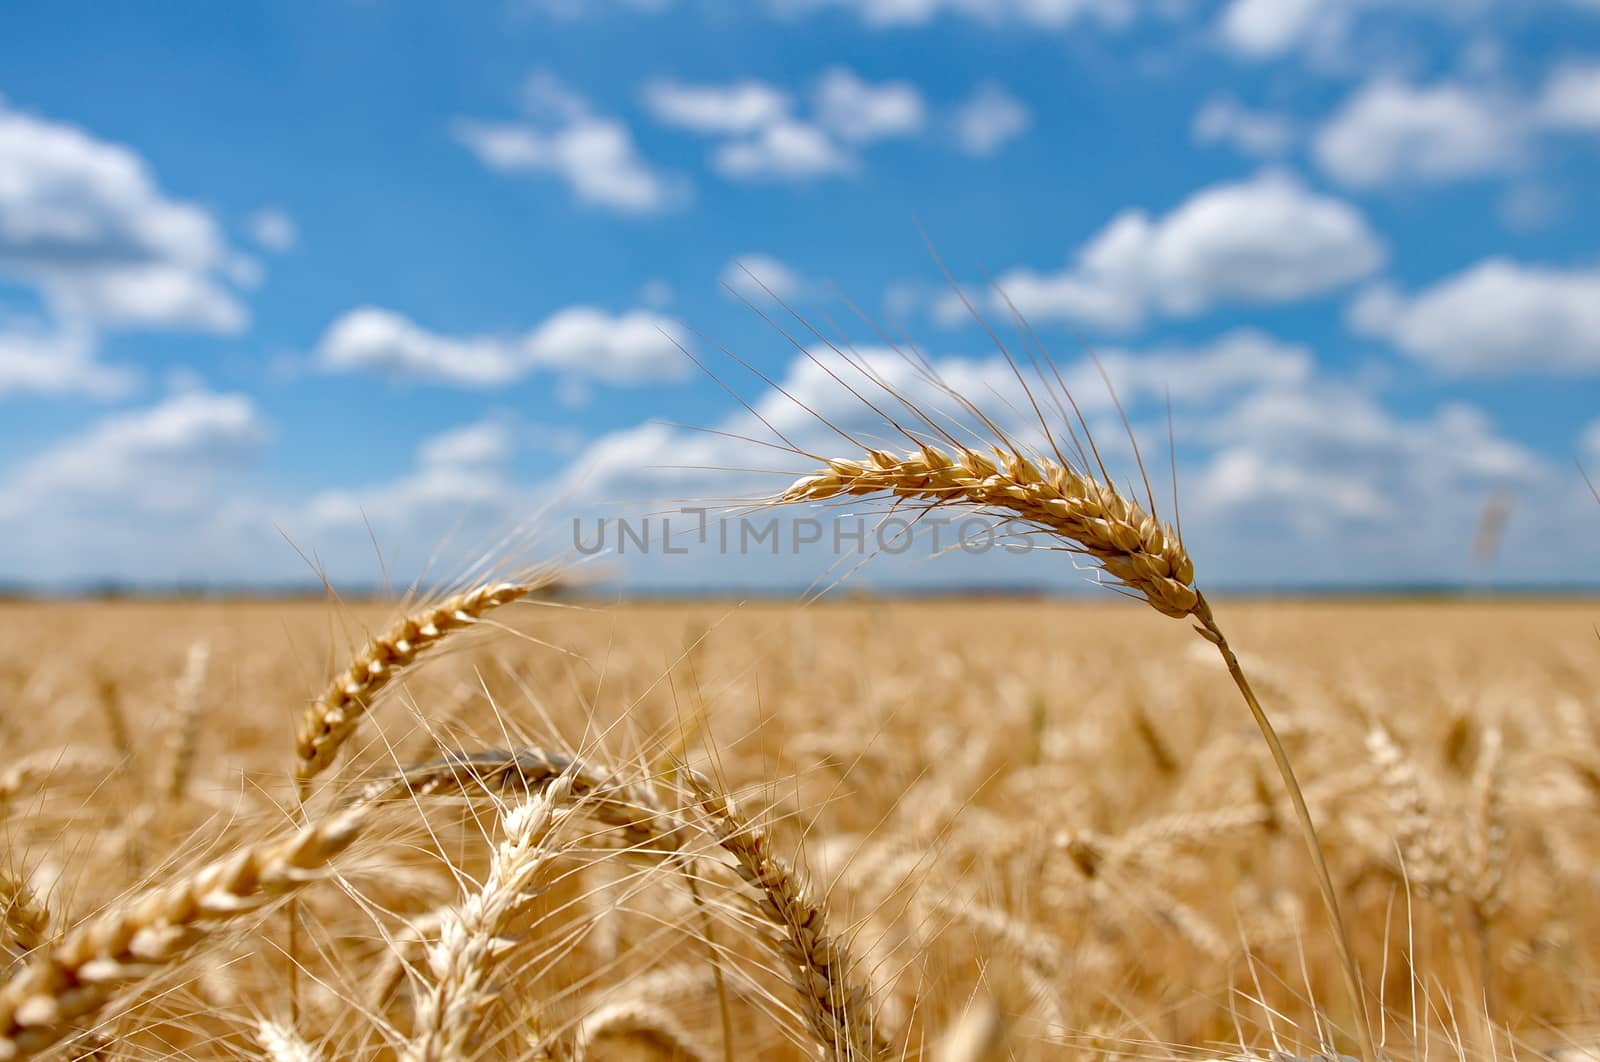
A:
(894, 829)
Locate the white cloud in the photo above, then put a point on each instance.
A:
(1270, 28)
(1259, 134)
(1391, 132)
(370, 339)
(1049, 14)
(159, 459)
(487, 442)
(273, 229)
(740, 108)
(631, 348)
(150, 296)
(582, 341)
(749, 273)
(1322, 455)
(760, 136)
(1265, 240)
(788, 151)
(1235, 362)
(1498, 317)
(989, 119)
(860, 113)
(1344, 36)
(459, 479)
(36, 360)
(84, 222)
(596, 156)
(1571, 98)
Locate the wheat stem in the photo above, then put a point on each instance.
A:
(1209, 630)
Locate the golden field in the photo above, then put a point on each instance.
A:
(1012, 829)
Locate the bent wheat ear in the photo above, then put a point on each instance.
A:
(331, 719)
(127, 943)
(1130, 544)
(839, 1010)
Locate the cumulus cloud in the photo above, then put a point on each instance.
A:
(164, 459)
(1268, 239)
(1270, 28)
(596, 156)
(1497, 318)
(273, 229)
(760, 135)
(371, 339)
(738, 108)
(629, 348)
(1259, 134)
(792, 151)
(860, 113)
(35, 359)
(1331, 34)
(459, 477)
(989, 119)
(1571, 98)
(579, 341)
(84, 221)
(1391, 131)
(1318, 460)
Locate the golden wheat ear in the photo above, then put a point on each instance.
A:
(330, 720)
(1126, 541)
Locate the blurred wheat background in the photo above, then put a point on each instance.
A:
(1052, 821)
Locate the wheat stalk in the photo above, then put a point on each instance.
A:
(184, 731)
(838, 1009)
(330, 720)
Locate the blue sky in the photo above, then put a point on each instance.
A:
(273, 275)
